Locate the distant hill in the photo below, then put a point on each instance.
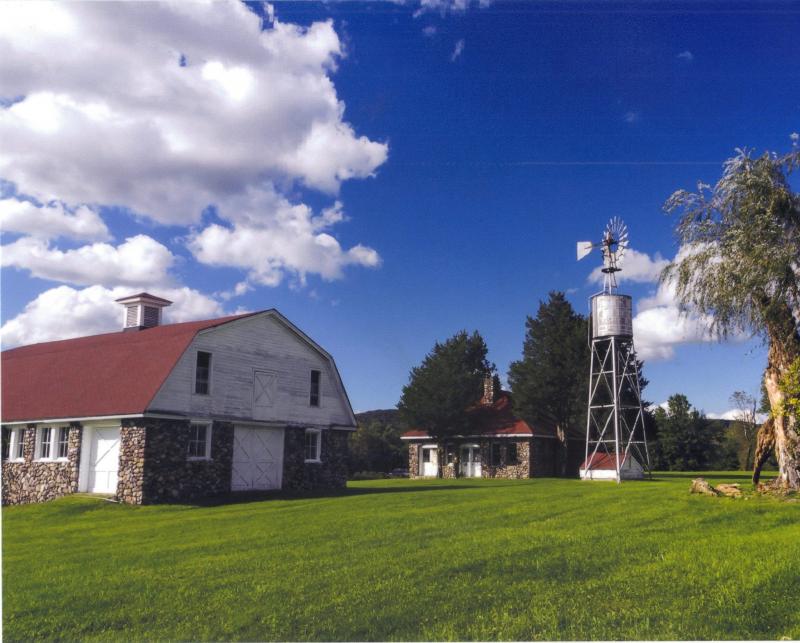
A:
(384, 416)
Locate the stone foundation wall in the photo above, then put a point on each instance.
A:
(506, 469)
(330, 473)
(413, 460)
(32, 481)
(168, 475)
(130, 476)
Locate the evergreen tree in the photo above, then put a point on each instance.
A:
(549, 383)
(444, 386)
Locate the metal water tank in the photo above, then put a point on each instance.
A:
(611, 315)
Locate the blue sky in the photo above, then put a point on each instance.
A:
(385, 178)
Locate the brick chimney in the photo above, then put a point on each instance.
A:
(488, 390)
(142, 311)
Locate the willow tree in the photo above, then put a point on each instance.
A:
(740, 264)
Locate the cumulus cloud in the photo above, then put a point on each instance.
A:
(686, 55)
(291, 240)
(140, 260)
(64, 312)
(457, 51)
(636, 266)
(159, 111)
(52, 220)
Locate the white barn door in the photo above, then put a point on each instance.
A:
(257, 458)
(104, 461)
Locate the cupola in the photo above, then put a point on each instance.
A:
(142, 310)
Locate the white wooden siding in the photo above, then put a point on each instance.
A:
(239, 350)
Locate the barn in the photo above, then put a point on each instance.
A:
(498, 444)
(170, 412)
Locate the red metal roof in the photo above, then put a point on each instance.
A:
(111, 374)
(495, 419)
(604, 461)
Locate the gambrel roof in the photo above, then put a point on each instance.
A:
(113, 374)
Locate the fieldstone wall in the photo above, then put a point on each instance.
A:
(506, 469)
(154, 466)
(32, 481)
(330, 473)
(413, 460)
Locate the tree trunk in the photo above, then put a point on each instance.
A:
(784, 348)
(765, 444)
(562, 437)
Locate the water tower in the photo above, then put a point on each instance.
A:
(616, 447)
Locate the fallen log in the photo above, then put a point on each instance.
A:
(700, 485)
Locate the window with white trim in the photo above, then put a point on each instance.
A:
(313, 398)
(44, 452)
(13, 444)
(199, 441)
(313, 445)
(18, 444)
(202, 373)
(63, 442)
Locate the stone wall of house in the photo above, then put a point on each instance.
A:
(413, 460)
(157, 465)
(39, 481)
(506, 469)
(330, 473)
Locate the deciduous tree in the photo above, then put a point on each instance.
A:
(740, 264)
(444, 386)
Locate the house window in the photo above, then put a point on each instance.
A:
(199, 441)
(45, 443)
(495, 454)
(63, 442)
(202, 373)
(426, 455)
(511, 454)
(18, 444)
(313, 398)
(313, 445)
(6, 443)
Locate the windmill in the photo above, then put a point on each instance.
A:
(616, 446)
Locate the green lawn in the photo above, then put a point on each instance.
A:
(411, 560)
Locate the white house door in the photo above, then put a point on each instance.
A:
(430, 462)
(104, 461)
(471, 461)
(257, 458)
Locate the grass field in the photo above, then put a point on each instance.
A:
(412, 560)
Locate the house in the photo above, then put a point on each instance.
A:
(170, 412)
(603, 466)
(499, 445)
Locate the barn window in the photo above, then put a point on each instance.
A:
(202, 373)
(18, 444)
(495, 454)
(313, 398)
(313, 445)
(45, 443)
(511, 454)
(63, 442)
(6, 443)
(200, 441)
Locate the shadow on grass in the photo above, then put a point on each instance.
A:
(241, 497)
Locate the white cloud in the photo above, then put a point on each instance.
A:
(429, 31)
(140, 260)
(734, 414)
(446, 6)
(459, 49)
(687, 55)
(290, 240)
(632, 117)
(64, 312)
(52, 220)
(636, 266)
(134, 127)
(163, 110)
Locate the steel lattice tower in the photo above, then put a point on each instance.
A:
(616, 445)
